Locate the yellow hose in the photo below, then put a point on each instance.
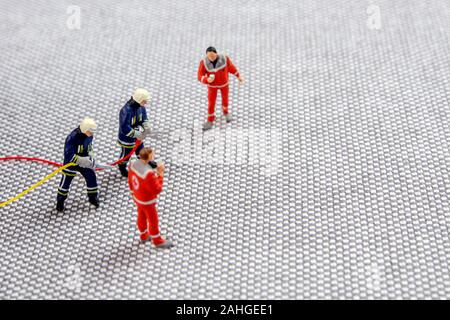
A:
(34, 186)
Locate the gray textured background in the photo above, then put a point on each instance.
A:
(358, 206)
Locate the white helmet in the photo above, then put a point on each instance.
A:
(88, 124)
(140, 95)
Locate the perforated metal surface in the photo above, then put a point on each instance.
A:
(331, 182)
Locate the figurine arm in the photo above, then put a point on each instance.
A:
(125, 124)
(70, 151)
(201, 74)
(232, 68)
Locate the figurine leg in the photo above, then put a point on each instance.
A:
(123, 165)
(142, 224)
(212, 96)
(224, 93)
(92, 186)
(63, 188)
(153, 228)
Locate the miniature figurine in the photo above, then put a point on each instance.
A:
(78, 149)
(213, 71)
(145, 184)
(133, 124)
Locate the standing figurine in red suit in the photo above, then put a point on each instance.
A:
(146, 184)
(213, 71)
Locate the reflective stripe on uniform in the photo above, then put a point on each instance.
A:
(129, 145)
(131, 133)
(92, 190)
(126, 143)
(62, 182)
(224, 85)
(145, 202)
(125, 146)
(74, 159)
(70, 174)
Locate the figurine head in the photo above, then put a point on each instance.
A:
(88, 126)
(146, 154)
(141, 96)
(211, 53)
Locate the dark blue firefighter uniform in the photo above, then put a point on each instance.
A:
(131, 117)
(77, 145)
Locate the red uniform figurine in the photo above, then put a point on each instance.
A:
(145, 186)
(213, 71)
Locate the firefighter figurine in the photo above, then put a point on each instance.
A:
(213, 71)
(133, 124)
(78, 149)
(145, 184)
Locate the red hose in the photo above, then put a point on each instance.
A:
(52, 163)
(138, 143)
(57, 164)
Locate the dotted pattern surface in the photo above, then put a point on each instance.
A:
(330, 183)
